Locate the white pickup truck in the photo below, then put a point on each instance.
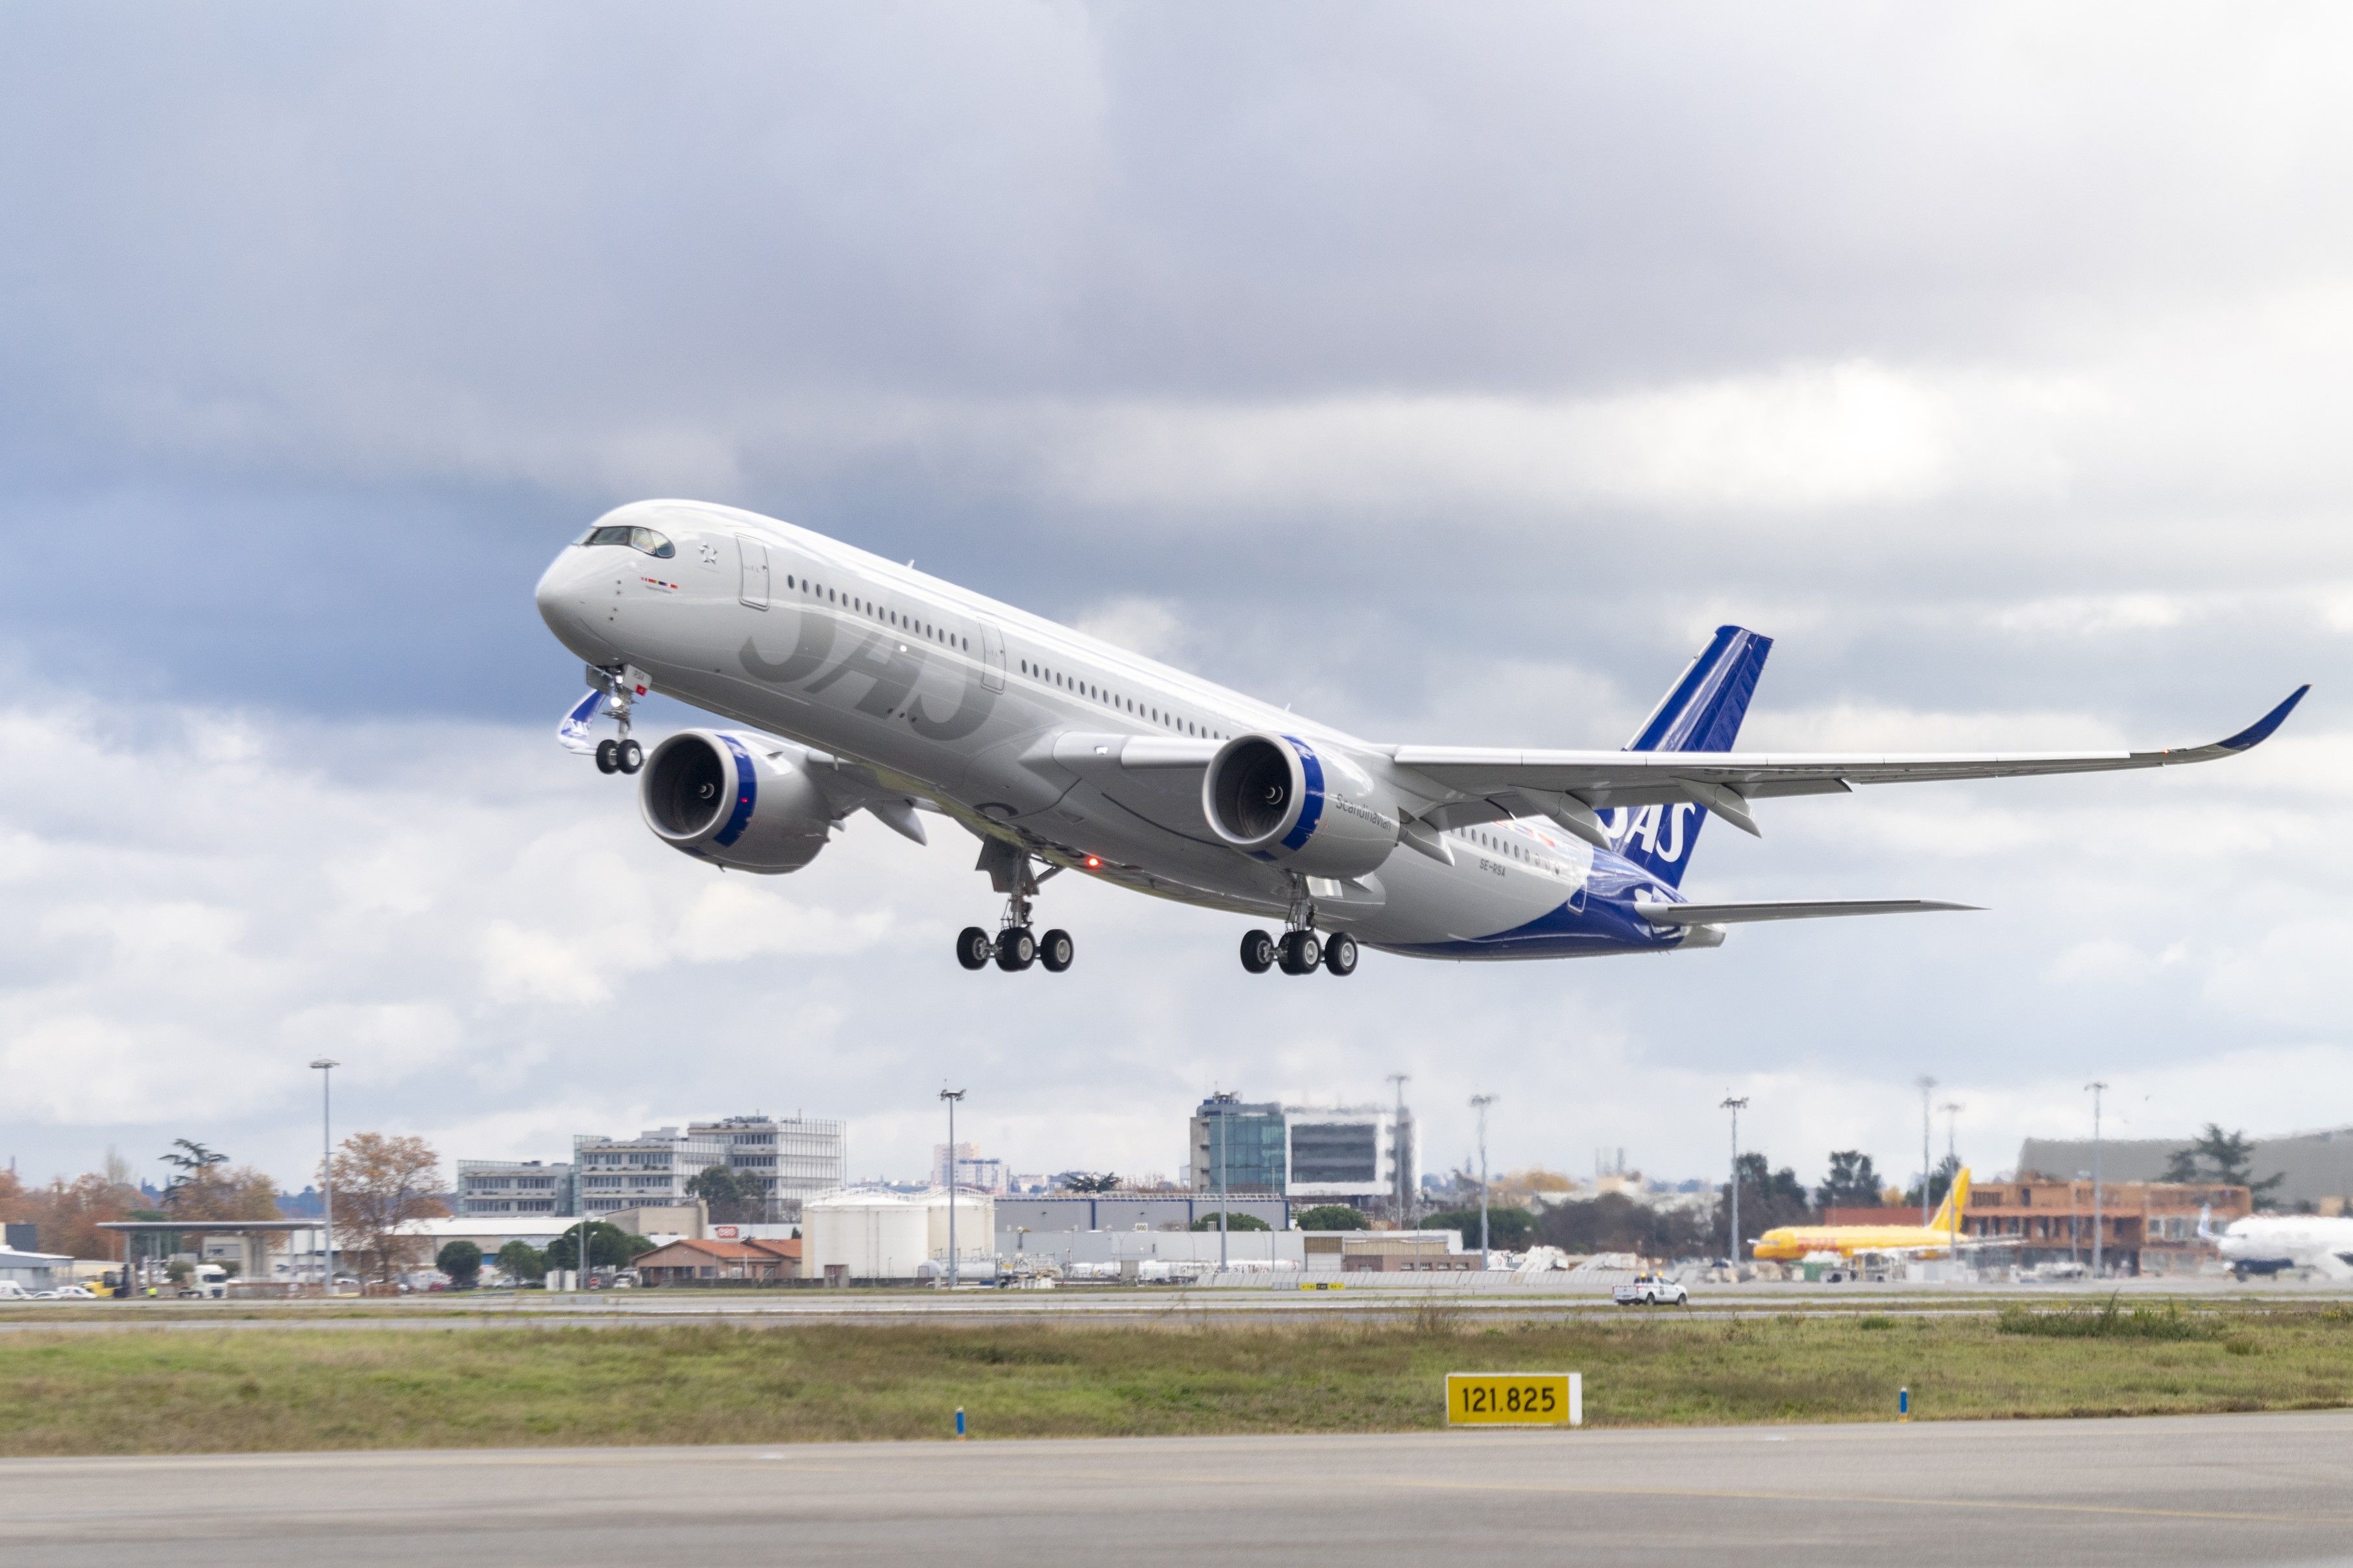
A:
(1651, 1290)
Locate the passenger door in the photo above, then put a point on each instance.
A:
(992, 656)
(754, 557)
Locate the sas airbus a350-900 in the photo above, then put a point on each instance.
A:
(851, 683)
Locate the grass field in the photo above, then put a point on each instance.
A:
(192, 1391)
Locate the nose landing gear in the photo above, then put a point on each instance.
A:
(620, 755)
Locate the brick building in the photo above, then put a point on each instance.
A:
(2146, 1227)
(689, 1261)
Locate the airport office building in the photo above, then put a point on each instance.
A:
(788, 1159)
(1362, 1155)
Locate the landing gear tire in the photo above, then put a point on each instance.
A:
(1016, 949)
(1258, 951)
(974, 948)
(1301, 952)
(1056, 952)
(629, 756)
(1340, 954)
(608, 756)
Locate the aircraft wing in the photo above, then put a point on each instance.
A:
(1663, 913)
(1565, 784)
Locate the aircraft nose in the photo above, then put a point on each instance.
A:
(566, 600)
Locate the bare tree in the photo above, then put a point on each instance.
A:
(383, 1184)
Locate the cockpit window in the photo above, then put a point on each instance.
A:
(644, 539)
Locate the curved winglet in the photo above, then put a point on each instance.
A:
(2256, 733)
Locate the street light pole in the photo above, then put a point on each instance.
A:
(2097, 1088)
(1480, 1102)
(1736, 1107)
(325, 1067)
(1927, 1085)
(952, 1096)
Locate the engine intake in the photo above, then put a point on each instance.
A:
(1277, 798)
(705, 793)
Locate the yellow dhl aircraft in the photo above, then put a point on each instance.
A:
(1794, 1241)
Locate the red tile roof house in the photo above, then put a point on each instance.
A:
(692, 1262)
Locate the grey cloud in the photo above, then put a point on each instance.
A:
(1448, 373)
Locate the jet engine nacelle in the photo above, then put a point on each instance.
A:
(726, 799)
(1315, 811)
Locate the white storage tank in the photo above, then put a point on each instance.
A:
(875, 1234)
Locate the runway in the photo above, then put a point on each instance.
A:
(1500, 1298)
(2190, 1490)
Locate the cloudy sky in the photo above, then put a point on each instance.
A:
(1447, 372)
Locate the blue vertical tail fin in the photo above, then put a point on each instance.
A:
(1701, 712)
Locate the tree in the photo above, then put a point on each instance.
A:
(1329, 1217)
(1233, 1222)
(70, 1213)
(609, 1247)
(1615, 1223)
(2227, 1158)
(521, 1262)
(1852, 1182)
(462, 1260)
(383, 1185)
(1088, 1181)
(1508, 1229)
(1768, 1197)
(734, 1199)
(1940, 1182)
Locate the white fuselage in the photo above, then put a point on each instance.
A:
(2271, 1242)
(989, 714)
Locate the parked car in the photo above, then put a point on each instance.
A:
(1651, 1290)
(12, 1292)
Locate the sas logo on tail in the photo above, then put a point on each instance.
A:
(1657, 828)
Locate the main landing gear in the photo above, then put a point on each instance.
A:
(1014, 947)
(1298, 951)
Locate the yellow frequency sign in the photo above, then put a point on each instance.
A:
(1514, 1399)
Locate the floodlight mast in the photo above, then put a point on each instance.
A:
(952, 1096)
(2097, 1088)
(1736, 1106)
(325, 1067)
(1480, 1102)
(1952, 1110)
(1404, 1182)
(1225, 1126)
(1928, 1174)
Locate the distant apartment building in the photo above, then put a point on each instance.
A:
(786, 1158)
(987, 1175)
(791, 1158)
(649, 1170)
(515, 1187)
(1360, 1154)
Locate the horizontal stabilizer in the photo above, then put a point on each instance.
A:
(1666, 914)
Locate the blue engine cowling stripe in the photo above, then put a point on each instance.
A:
(1310, 808)
(747, 790)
